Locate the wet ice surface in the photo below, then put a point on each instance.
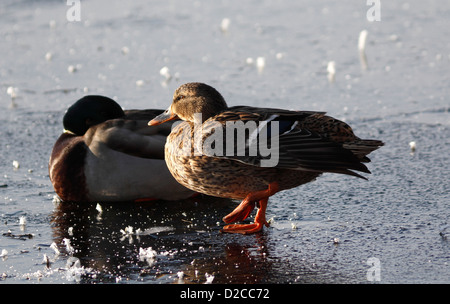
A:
(322, 232)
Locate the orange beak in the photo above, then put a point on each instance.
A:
(162, 118)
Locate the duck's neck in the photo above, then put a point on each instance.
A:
(213, 109)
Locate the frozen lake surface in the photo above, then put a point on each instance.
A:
(334, 230)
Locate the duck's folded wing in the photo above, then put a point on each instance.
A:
(130, 137)
(279, 141)
(141, 119)
(302, 150)
(307, 150)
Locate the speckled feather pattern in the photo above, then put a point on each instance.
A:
(211, 175)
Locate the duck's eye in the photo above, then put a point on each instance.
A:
(179, 97)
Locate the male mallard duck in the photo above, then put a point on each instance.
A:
(107, 154)
(304, 145)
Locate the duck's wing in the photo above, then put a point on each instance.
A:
(338, 131)
(143, 117)
(133, 137)
(306, 149)
(281, 139)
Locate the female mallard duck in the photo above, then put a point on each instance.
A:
(107, 154)
(303, 146)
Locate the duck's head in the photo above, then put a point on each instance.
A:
(192, 98)
(89, 111)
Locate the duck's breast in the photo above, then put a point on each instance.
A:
(66, 168)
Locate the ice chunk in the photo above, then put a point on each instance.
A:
(209, 278)
(224, 25)
(331, 69)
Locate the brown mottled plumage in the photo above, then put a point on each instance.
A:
(310, 143)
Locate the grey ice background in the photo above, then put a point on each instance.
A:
(323, 232)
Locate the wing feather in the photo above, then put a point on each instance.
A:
(299, 147)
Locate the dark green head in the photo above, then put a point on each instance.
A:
(89, 111)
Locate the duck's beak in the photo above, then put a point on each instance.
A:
(167, 115)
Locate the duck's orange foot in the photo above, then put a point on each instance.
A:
(260, 222)
(244, 228)
(244, 209)
(241, 212)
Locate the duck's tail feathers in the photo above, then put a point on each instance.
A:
(362, 147)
